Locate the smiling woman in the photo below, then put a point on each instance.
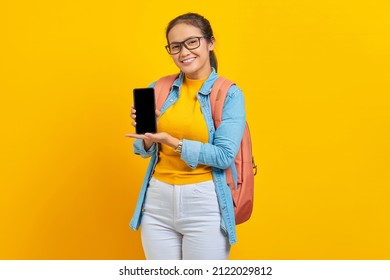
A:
(194, 59)
(185, 203)
(316, 80)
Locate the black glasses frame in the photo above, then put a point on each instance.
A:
(183, 43)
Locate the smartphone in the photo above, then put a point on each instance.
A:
(145, 106)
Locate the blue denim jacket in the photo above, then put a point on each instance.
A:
(219, 152)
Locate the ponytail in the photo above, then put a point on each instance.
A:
(213, 61)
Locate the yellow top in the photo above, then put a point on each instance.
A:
(183, 120)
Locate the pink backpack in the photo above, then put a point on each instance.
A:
(244, 161)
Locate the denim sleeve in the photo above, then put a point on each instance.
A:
(227, 138)
(139, 148)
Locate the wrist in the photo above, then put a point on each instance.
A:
(147, 144)
(172, 141)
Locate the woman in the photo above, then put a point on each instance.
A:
(185, 207)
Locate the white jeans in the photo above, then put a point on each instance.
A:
(182, 222)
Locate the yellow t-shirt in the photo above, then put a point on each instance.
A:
(183, 120)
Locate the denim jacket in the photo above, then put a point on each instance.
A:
(219, 152)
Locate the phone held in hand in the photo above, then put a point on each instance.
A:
(145, 106)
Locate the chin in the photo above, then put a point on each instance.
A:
(189, 70)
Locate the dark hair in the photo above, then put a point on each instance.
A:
(203, 24)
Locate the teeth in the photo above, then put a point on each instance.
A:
(188, 60)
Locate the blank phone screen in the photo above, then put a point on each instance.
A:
(144, 105)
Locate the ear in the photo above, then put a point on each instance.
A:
(211, 44)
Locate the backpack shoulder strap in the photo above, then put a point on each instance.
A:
(217, 98)
(162, 89)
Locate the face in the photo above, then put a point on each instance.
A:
(195, 64)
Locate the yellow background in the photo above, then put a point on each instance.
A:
(316, 80)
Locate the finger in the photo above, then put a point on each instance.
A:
(133, 116)
(133, 111)
(157, 113)
(134, 124)
(137, 136)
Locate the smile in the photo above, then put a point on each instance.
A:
(188, 60)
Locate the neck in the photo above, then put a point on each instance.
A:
(199, 76)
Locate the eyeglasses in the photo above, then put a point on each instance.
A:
(191, 43)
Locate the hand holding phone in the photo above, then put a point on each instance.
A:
(145, 106)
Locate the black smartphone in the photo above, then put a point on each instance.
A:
(145, 106)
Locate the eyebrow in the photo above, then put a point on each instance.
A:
(175, 42)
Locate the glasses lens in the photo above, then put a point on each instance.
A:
(174, 48)
(192, 43)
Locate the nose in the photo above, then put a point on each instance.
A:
(184, 51)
